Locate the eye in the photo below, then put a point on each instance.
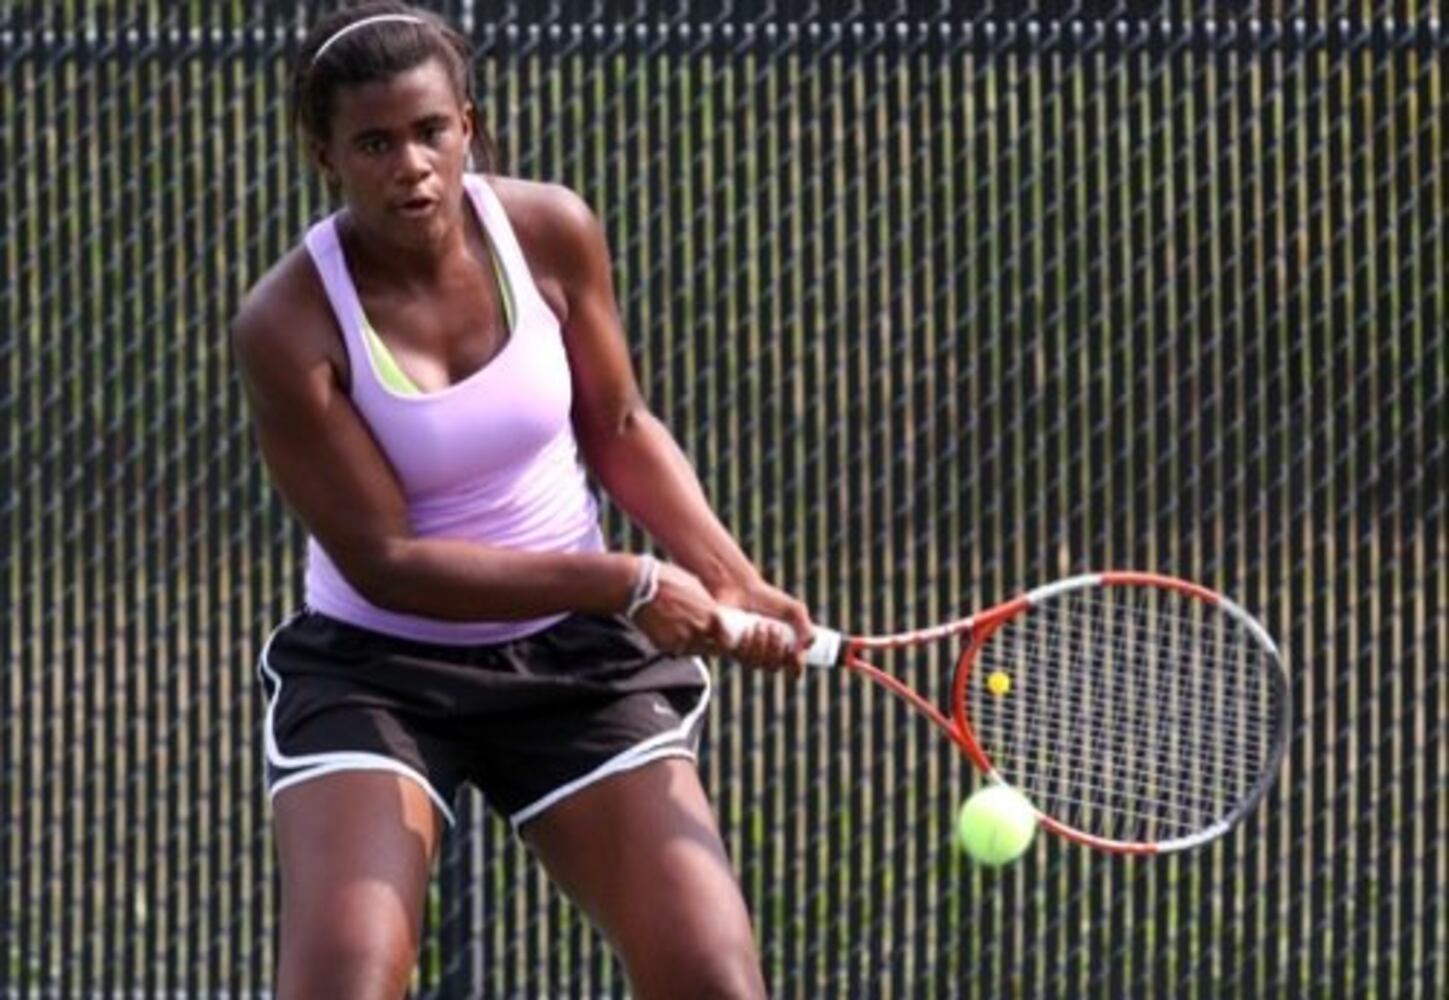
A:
(373, 146)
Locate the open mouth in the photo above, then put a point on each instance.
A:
(416, 206)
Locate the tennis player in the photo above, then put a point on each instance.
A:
(429, 375)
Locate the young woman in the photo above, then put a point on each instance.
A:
(428, 373)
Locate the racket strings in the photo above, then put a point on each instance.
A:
(1225, 651)
(1117, 687)
(1058, 642)
(1185, 787)
(1143, 733)
(1118, 747)
(1116, 681)
(1133, 714)
(1118, 752)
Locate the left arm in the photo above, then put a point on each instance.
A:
(628, 449)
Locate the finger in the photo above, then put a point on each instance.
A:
(783, 651)
(754, 643)
(714, 642)
(758, 650)
(780, 642)
(787, 649)
(803, 627)
(724, 636)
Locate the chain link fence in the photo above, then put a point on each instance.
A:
(943, 300)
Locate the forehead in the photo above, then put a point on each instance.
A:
(426, 89)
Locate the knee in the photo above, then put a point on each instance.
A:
(730, 976)
(347, 958)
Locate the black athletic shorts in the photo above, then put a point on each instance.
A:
(527, 722)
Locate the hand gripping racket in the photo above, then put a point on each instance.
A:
(1138, 713)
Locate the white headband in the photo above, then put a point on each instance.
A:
(375, 19)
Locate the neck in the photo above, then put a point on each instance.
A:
(376, 250)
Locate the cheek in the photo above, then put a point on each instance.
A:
(373, 171)
(450, 160)
(366, 191)
(457, 144)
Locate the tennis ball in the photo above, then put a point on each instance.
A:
(998, 682)
(995, 825)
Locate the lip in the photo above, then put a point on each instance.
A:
(415, 207)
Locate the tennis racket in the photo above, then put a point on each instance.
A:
(1138, 713)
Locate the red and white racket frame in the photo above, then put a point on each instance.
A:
(831, 648)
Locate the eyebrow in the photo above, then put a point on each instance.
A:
(377, 131)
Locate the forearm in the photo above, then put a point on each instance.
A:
(462, 581)
(648, 476)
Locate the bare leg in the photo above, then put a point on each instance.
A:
(640, 853)
(355, 850)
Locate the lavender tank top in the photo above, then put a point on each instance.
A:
(490, 459)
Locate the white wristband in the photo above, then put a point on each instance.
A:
(646, 586)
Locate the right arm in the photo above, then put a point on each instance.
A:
(329, 469)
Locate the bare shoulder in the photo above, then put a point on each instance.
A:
(560, 235)
(545, 213)
(285, 323)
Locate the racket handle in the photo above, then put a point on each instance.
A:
(824, 649)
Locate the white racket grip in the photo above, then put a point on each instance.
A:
(824, 649)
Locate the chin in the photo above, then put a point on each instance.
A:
(417, 232)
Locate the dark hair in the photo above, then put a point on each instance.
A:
(379, 52)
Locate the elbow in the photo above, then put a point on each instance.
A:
(603, 440)
(384, 594)
(380, 575)
(631, 417)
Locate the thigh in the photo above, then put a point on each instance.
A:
(641, 854)
(355, 850)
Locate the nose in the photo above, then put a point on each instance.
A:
(413, 161)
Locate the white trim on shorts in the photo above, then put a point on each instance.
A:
(641, 753)
(316, 765)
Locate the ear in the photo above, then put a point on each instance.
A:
(322, 160)
(469, 126)
(470, 121)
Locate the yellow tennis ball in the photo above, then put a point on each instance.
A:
(998, 682)
(996, 825)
